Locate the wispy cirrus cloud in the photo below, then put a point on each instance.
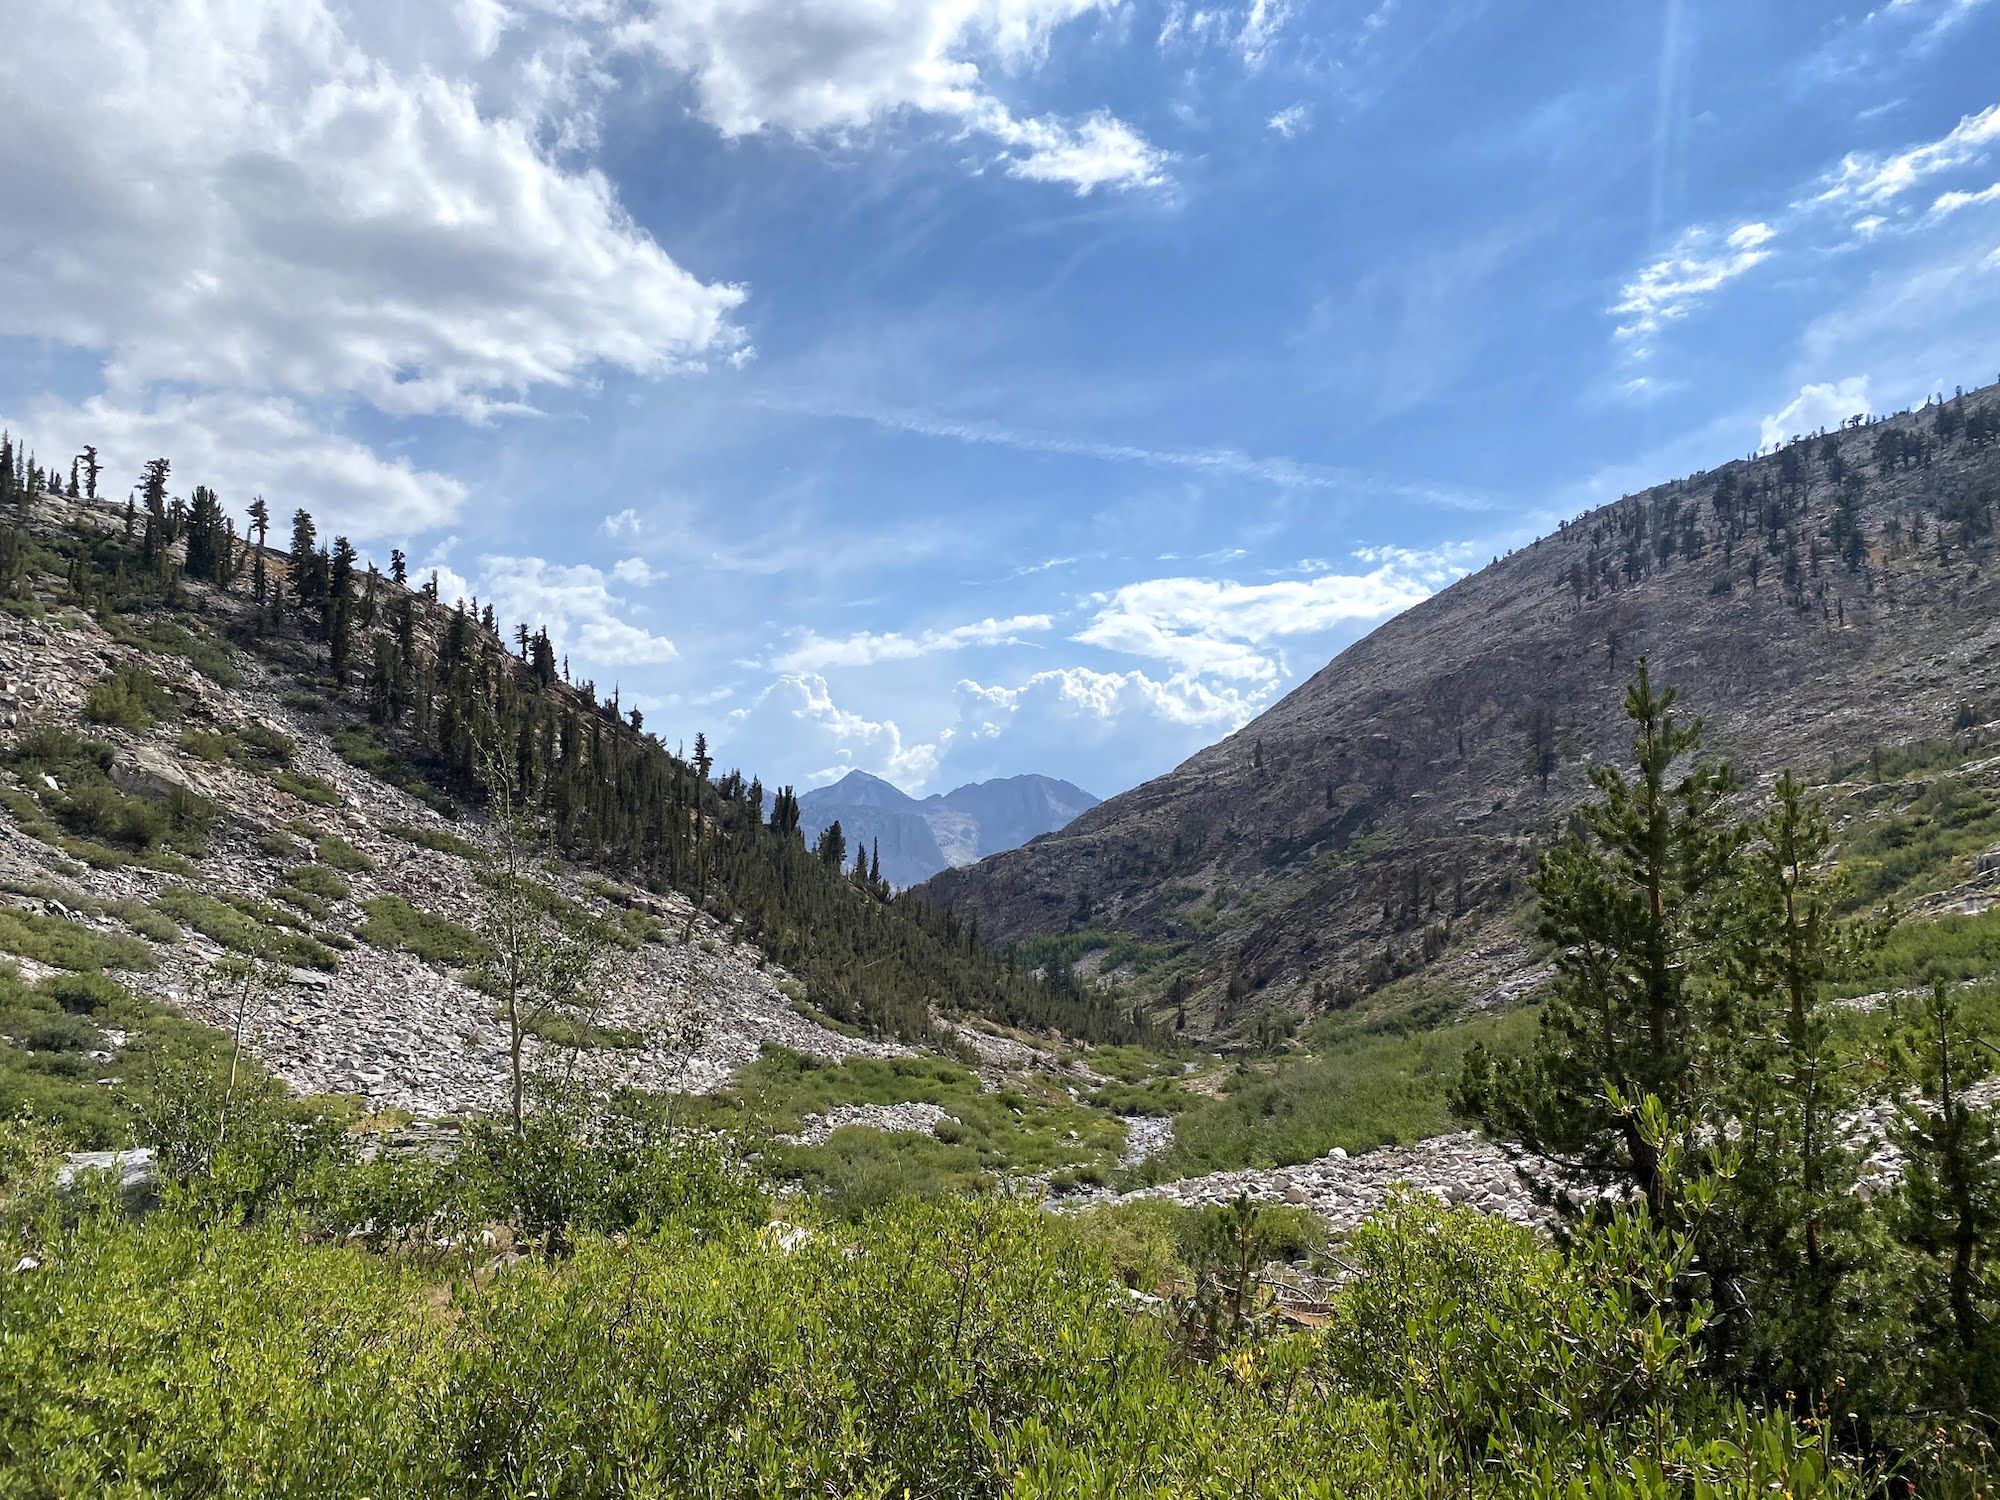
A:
(1700, 263)
(1284, 473)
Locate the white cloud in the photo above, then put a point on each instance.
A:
(834, 67)
(797, 711)
(1827, 404)
(1950, 203)
(625, 523)
(1866, 178)
(1698, 265)
(1248, 31)
(634, 570)
(815, 652)
(1221, 628)
(1292, 121)
(1082, 693)
(244, 446)
(584, 617)
(255, 200)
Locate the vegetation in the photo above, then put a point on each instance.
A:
(395, 924)
(1690, 1060)
(1356, 1088)
(248, 927)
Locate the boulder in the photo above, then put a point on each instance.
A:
(148, 771)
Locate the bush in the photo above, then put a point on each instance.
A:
(395, 924)
(317, 880)
(258, 931)
(130, 698)
(337, 852)
(70, 945)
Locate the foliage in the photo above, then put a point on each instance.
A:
(246, 926)
(130, 698)
(1357, 1089)
(395, 924)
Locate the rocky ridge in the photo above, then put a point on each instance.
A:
(1380, 820)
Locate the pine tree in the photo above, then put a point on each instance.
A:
(1947, 1215)
(1626, 899)
(1795, 1227)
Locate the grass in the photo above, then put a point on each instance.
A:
(1915, 953)
(1357, 1089)
(1921, 844)
(395, 925)
(70, 945)
(48, 1030)
(1026, 1128)
(575, 1032)
(259, 930)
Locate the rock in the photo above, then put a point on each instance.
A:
(136, 1173)
(1987, 862)
(147, 771)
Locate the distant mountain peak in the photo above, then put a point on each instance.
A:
(918, 838)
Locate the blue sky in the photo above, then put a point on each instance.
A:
(954, 388)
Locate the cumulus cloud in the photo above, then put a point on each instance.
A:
(815, 652)
(1221, 628)
(1700, 263)
(634, 570)
(244, 446)
(835, 67)
(254, 200)
(1827, 404)
(797, 711)
(585, 619)
(1084, 693)
(625, 523)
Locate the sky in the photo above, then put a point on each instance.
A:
(960, 388)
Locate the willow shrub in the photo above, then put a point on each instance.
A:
(974, 1348)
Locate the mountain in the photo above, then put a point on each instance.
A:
(1815, 604)
(918, 838)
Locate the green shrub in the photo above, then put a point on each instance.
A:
(337, 852)
(129, 697)
(70, 945)
(434, 839)
(313, 789)
(258, 931)
(395, 924)
(318, 880)
(145, 920)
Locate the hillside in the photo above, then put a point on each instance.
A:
(916, 838)
(1817, 604)
(211, 751)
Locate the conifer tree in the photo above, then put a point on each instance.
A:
(1626, 899)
